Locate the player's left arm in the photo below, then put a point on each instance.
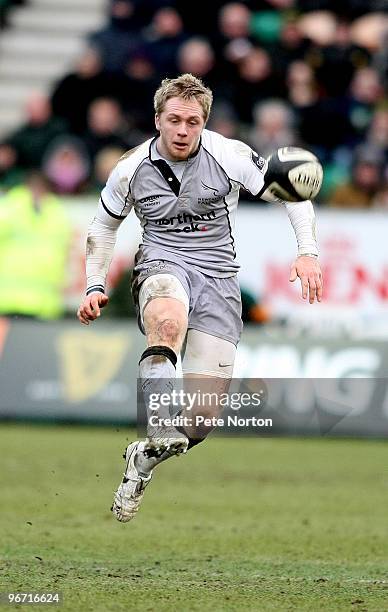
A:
(306, 265)
(302, 217)
(251, 169)
(247, 168)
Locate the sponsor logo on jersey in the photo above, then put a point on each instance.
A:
(150, 200)
(192, 223)
(208, 201)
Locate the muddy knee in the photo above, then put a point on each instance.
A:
(167, 330)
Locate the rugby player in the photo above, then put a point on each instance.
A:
(184, 187)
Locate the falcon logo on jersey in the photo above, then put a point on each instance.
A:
(208, 188)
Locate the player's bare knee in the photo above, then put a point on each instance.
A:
(165, 330)
(165, 322)
(168, 330)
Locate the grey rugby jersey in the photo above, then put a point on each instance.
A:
(192, 219)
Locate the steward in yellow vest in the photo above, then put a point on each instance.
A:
(34, 242)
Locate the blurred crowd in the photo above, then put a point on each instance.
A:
(310, 73)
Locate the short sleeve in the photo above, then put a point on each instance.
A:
(246, 166)
(241, 164)
(116, 196)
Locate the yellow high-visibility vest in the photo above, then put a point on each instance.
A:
(33, 254)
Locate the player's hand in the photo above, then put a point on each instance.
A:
(309, 271)
(90, 308)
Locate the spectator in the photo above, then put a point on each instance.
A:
(234, 21)
(104, 163)
(291, 46)
(223, 120)
(319, 27)
(377, 134)
(370, 31)
(196, 56)
(333, 126)
(341, 58)
(117, 42)
(303, 94)
(302, 85)
(34, 243)
(123, 15)
(232, 41)
(28, 144)
(366, 180)
(255, 81)
(267, 22)
(146, 9)
(366, 92)
(105, 127)
(84, 85)
(66, 165)
(10, 174)
(274, 127)
(140, 75)
(163, 39)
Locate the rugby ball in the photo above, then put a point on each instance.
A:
(293, 174)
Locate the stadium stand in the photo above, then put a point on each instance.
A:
(40, 42)
(301, 72)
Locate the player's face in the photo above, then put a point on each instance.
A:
(180, 126)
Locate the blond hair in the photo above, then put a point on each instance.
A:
(187, 87)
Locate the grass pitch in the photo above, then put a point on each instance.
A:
(237, 524)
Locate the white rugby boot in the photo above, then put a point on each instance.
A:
(152, 451)
(176, 444)
(130, 493)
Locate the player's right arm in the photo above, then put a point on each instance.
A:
(113, 207)
(90, 307)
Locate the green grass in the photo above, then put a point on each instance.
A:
(248, 524)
